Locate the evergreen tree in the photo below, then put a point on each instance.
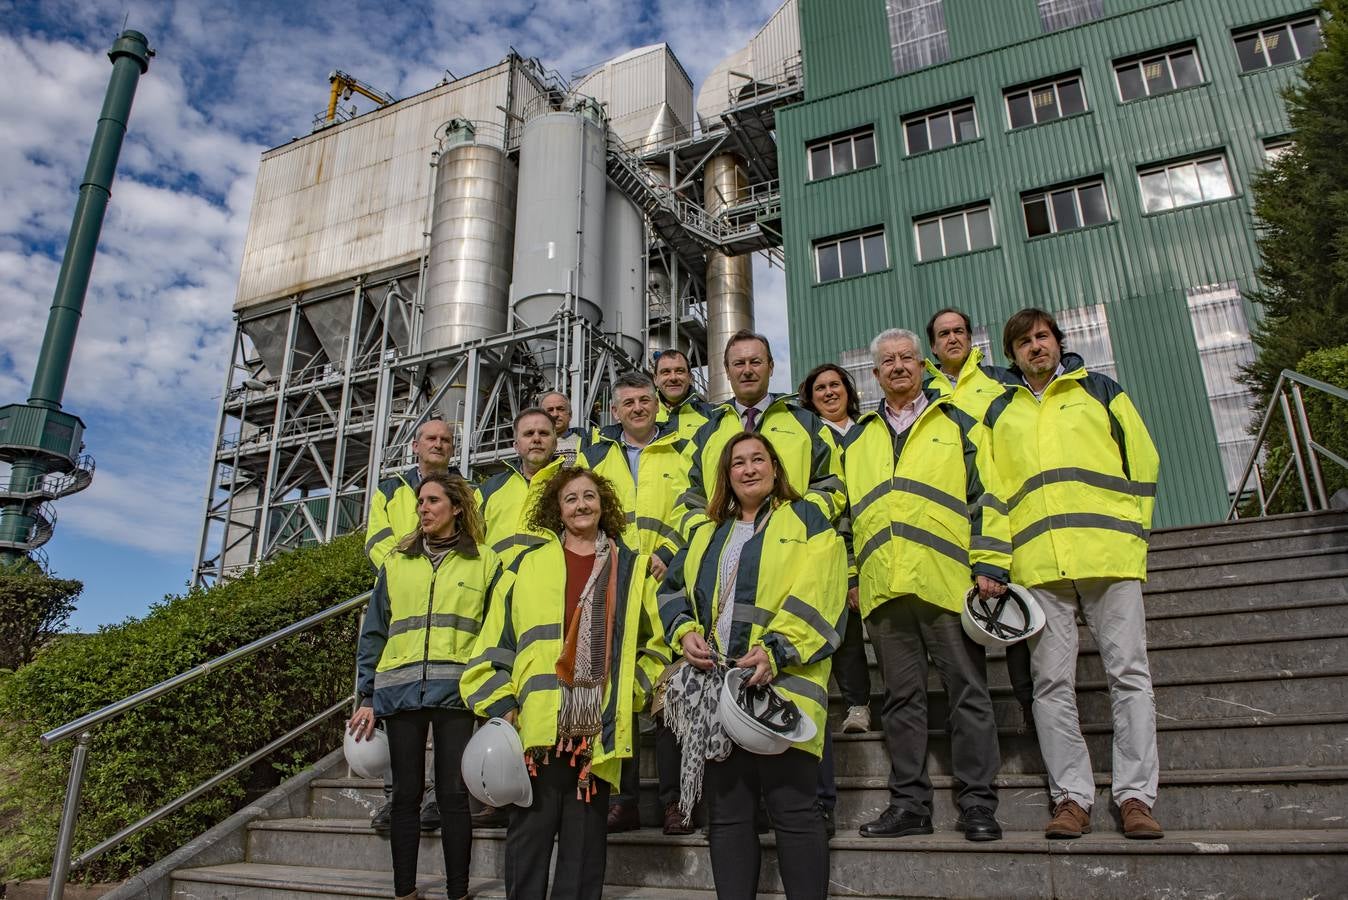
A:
(34, 606)
(1301, 204)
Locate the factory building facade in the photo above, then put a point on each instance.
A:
(1092, 157)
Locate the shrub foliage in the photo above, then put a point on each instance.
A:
(1328, 419)
(165, 747)
(34, 606)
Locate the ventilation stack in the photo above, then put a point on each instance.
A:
(730, 279)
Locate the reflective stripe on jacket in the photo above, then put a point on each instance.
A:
(505, 501)
(649, 502)
(976, 387)
(805, 442)
(514, 662)
(420, 628)
(688, 416)
(393, 514)
(1077, 471)
(922, 524)
(790, 597)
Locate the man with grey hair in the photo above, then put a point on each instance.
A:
(647, 467)
(914, 476)
(393, 516)
(570, 441)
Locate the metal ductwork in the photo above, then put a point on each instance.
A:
(730, 279)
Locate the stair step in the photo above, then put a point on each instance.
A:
(1208, 551)
(1291, 797)
(1215, 576)
(1245, 529)
(237, 881)
(1304, 863)
(1282, 585)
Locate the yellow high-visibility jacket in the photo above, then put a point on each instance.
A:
(790, 597)
(505, 501)
(393, 514)
(649, 502)
(975, 388)
(420, 628)
(922, 524)
(805, 442)
(688, 416)
(514, 662)
(1077, 471)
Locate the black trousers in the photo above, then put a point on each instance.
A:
(787, 782)
(904, 631)
(1018, 667)
(450, 729)
(667, 763)
(849, 663)
(580, 829)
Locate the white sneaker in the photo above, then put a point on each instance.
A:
(857, 720)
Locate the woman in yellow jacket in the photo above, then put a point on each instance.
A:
(425, 613)
(570, 648)
(763, 587)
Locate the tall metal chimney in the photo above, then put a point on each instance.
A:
(38, 439)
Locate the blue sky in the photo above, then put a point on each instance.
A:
(229, 80)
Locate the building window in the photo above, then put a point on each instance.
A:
(917, 35)
(1185, 183)
(942, 128)
(1045, 102)
(846, 153)
(859, 364)
(850, 254)
(1274, 45)
(1066, 208)
(1158, 74)
(956, 232)
(1223, 338)
(1274, 148)
(1086, 333)
(1056, 14)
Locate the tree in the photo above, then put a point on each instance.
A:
(33, 607)
(1301, 203)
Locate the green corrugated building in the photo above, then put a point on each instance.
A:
(1094, 157)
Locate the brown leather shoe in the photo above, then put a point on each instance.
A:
(1069, 821)
(623, 817)
(1138, 821)
(674, 821)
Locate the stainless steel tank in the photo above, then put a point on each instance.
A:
(472, 241)
(559, 220)
(624, 300)
(730, 279)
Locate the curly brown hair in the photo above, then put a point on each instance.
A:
(547, 512)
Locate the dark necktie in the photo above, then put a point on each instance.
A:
(750, 417)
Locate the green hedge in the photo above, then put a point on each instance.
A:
(1328, 417)
(165, 747)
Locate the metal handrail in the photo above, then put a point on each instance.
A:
(1308, 470)
(82, 728)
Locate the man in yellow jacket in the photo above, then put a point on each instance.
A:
(647, 467)
(504, 499)
(923, 534)
(806, 444)
(393, 516)
(679, 403)
(1077, 472)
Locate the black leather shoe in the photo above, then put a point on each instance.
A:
(894, 822)
(380, 820)
(491, 817)
(979, 824)
(430, 816)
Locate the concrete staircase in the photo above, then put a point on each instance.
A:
(1248, 630)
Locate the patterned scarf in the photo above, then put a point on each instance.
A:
(582, 668)
(691, 700)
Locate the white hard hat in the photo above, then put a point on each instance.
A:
(367, 758)
(493, 766)
(1001, 621)
(758, 718)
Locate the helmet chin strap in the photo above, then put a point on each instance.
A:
(991, 620)
(768, 707)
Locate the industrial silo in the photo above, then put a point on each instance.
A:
(624, 298)
(472, 240)
(559, 221)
